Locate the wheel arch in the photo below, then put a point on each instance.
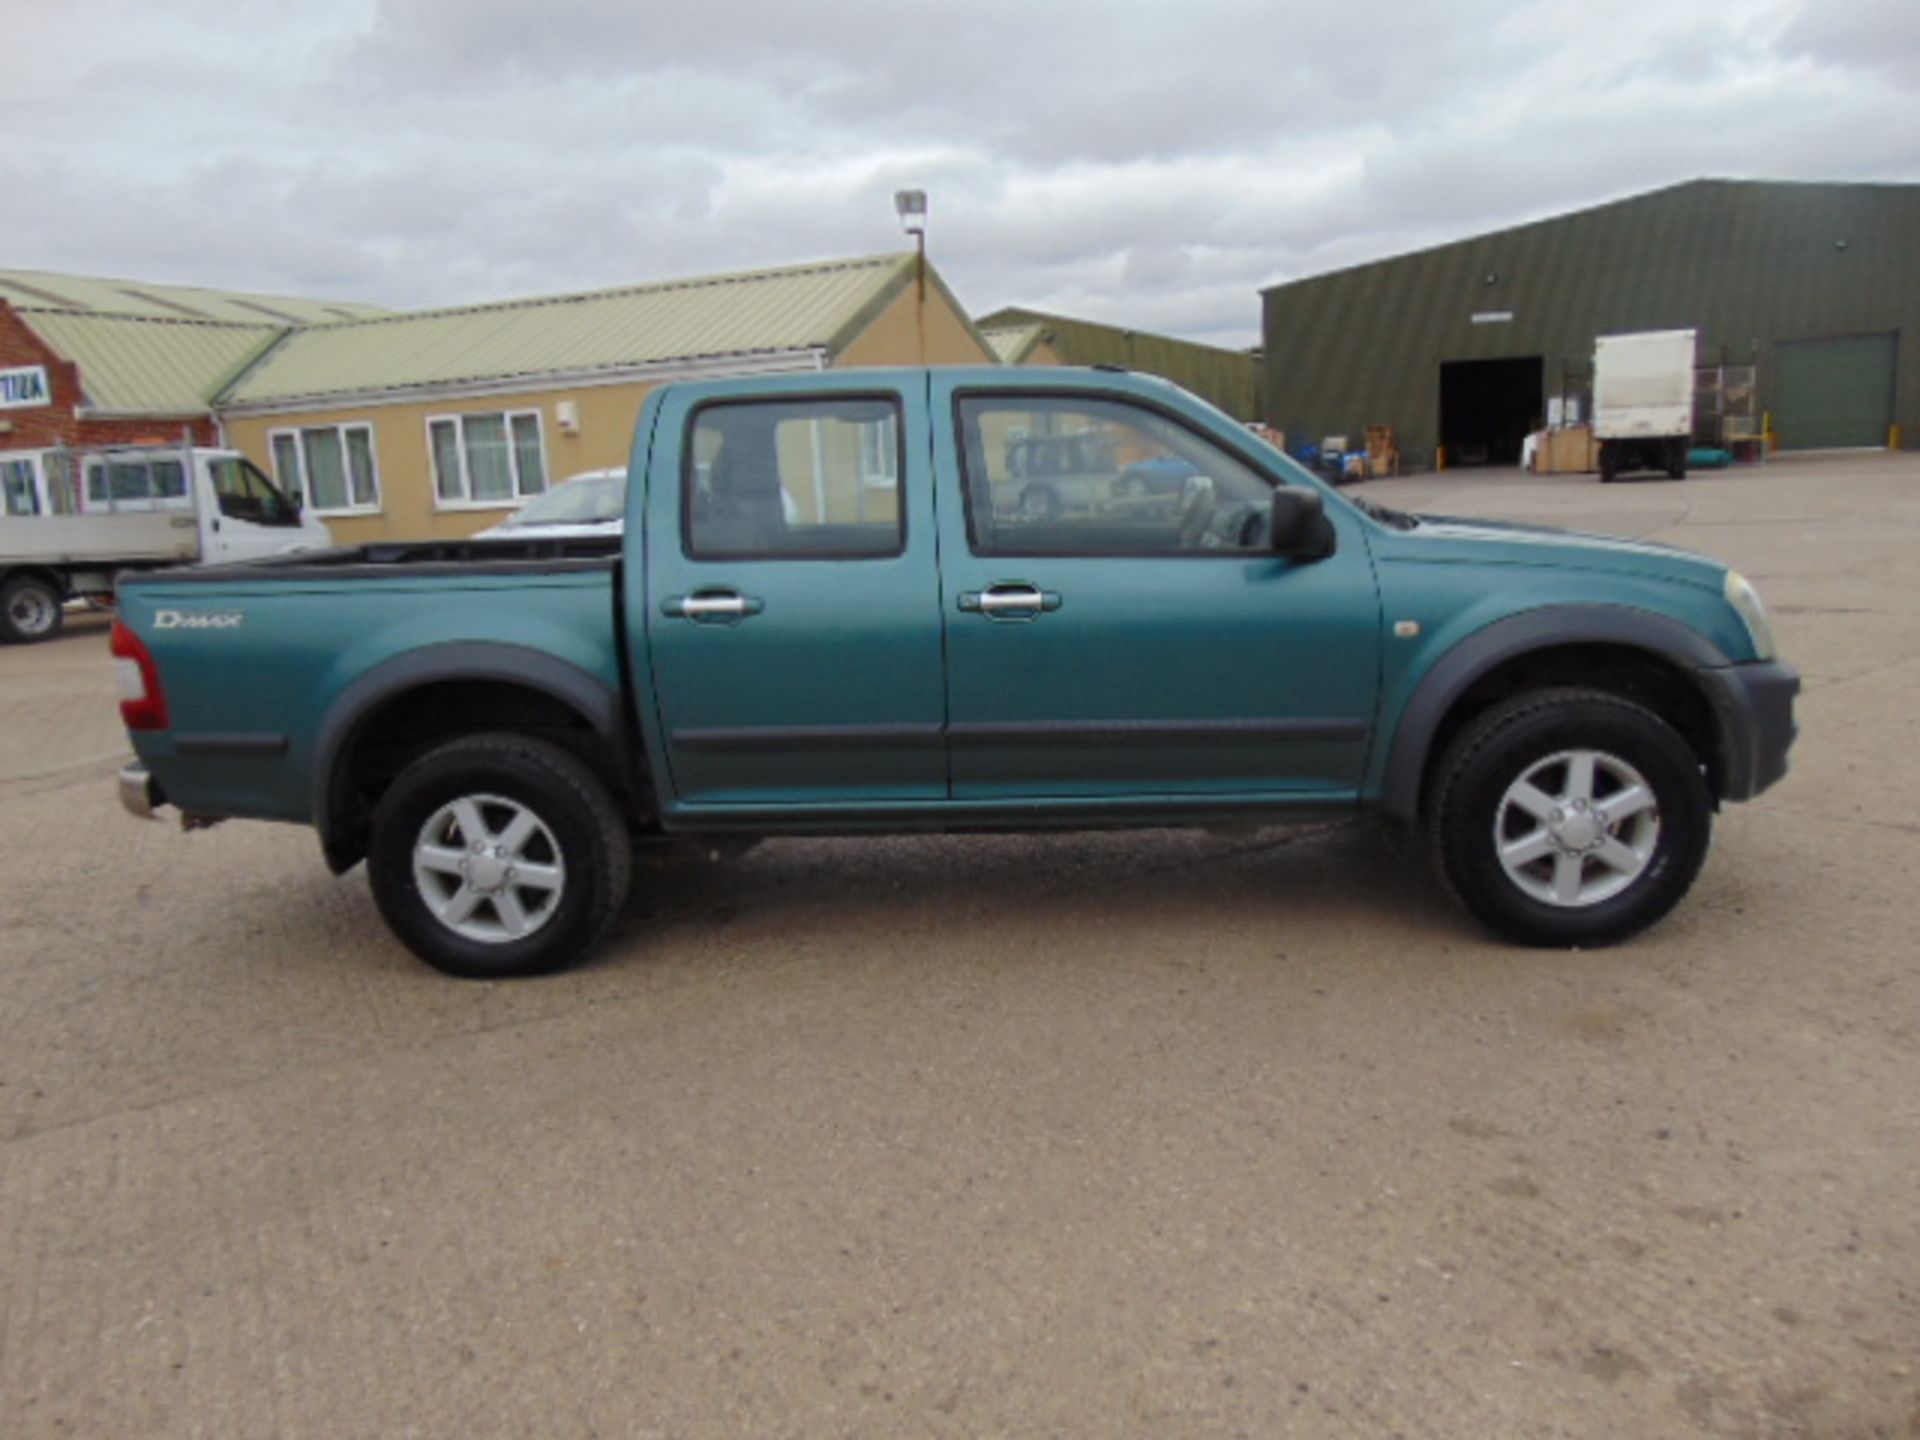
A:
(421, 699)
(1636, 654)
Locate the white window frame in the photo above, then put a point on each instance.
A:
(465, 500)
(297, 488)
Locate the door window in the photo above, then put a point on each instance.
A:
(795, 480)
(1064, 475)
(243, 493)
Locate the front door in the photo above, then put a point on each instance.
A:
(791, 599)
(1141, 641)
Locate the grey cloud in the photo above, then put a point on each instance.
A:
(1144, 163)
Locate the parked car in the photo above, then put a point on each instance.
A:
(1558, 715)
(593, 502)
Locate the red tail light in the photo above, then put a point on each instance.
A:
(143, 704)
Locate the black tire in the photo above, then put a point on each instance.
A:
(1472, 803)
(30, 610)
(501, 774)
(1677, 461)
(1609, 465)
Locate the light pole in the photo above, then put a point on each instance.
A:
(911, 207)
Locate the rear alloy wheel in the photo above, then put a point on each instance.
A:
(30, 610)
(1569, 817)
(498, 855)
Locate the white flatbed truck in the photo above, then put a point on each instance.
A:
(71, 520)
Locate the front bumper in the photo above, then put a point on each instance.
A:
(1753, 709)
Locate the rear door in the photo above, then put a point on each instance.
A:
(791, 596)
(1143, 644)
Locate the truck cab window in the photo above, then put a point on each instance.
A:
(1063, 475)
(244, 493)
(794, 480)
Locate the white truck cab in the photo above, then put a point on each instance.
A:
(73, 519)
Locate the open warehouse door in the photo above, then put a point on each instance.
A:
(1488, 407)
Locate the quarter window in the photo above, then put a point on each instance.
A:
(329, 468)
(1063, 475)
(796, 480)
(487, 459)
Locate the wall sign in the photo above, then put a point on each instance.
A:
(1492, 317)
(23, 387)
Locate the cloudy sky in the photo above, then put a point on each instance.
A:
(1153, 164)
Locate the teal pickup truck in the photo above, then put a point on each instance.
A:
(835, 607)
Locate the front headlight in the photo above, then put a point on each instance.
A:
(1746, 600)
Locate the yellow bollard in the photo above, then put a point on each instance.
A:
(1893, 437)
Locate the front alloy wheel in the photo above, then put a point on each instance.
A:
(1569, 817)
(1577, 828)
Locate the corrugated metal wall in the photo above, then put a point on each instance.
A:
(1749, 264)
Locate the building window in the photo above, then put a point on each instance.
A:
(489, 459)
(328, 468)
(880, 455)
(20, 481)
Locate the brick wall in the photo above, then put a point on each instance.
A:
(58, 424)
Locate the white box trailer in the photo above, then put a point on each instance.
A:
(70, 520)
(1643, 401)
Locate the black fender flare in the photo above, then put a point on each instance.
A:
(590, 697)
(1548, 628)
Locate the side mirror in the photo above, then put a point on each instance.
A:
(1300, 528)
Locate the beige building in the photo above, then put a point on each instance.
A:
(436, 424)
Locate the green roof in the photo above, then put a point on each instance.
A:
(1228, 378)
(795, 312)
(34, 290)
(134, 366)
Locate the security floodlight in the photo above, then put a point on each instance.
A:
(911, 207)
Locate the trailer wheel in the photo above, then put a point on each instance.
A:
(1677, 460)
(30, 610)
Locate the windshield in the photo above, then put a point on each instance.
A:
(588, 500)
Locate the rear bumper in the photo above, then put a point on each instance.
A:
(140, 793)
(1753, 706)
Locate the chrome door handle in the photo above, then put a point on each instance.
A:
(1014, 598)
(721, 605)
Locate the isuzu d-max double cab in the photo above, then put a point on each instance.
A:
(830, 613)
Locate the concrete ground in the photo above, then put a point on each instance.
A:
(1143, 1135)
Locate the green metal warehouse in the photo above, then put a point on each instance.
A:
(1464, 348)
